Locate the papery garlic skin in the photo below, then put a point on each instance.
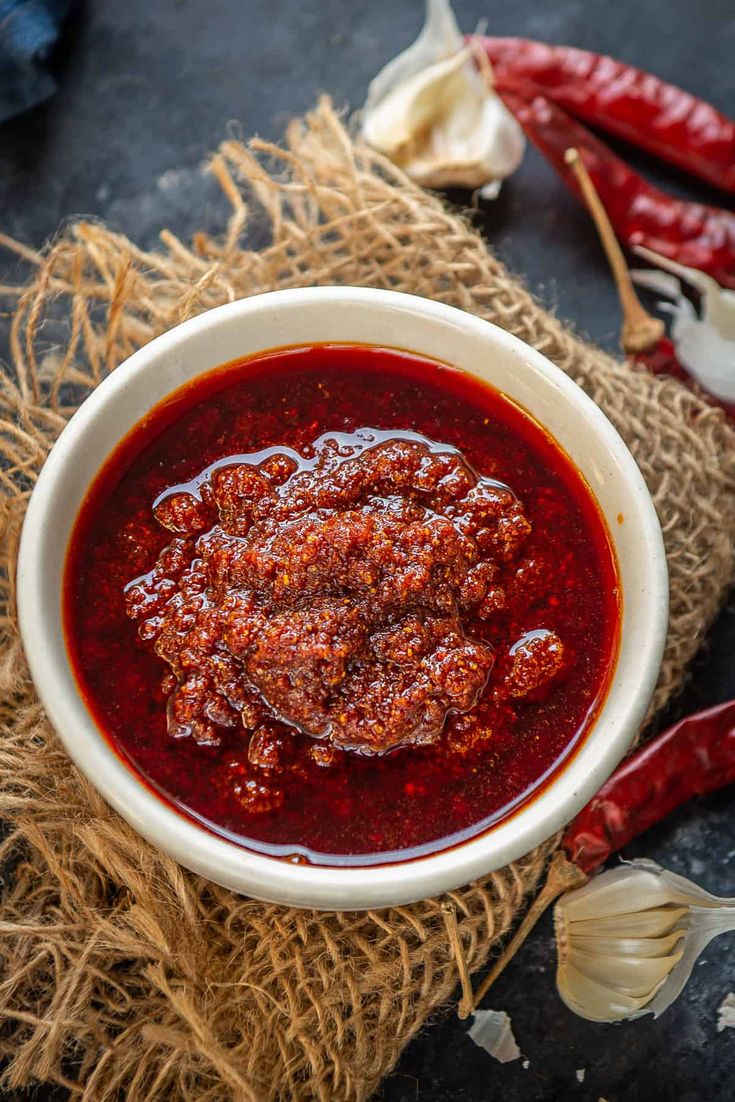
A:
(492, 1030)
(705, 345)
(627, 940)
(726, 1013)
(433, 113)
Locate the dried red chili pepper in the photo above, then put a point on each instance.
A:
(691, 758)
(661, 360)
(627, 102)
(695, 756)
(697, 235)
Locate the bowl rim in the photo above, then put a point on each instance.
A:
(276, 879)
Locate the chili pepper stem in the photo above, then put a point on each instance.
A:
(563, 875)
(640, 330)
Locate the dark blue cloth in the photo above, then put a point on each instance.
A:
(28, 31)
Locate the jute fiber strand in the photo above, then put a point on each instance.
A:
(122, 974)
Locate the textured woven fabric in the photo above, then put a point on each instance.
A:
(118, 968)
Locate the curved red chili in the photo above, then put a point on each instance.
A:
(695, 756)
(691, 758)
(627, 102)
(697, 235)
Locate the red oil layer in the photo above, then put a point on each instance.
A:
(354, 809)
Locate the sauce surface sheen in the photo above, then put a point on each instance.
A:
(346, 807)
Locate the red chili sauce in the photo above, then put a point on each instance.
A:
(341, 604)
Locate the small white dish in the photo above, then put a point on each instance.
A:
(350, 315)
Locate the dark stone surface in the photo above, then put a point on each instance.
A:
(147, 89)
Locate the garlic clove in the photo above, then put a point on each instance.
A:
(648, 924)
(613, 896)
(637, 977)
(440, 38)
(705, 345)
(433, 113)
(627, 946)
(594, 1001)
(718, 302)
(411, 108)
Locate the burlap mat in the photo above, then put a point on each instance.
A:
(121, 973)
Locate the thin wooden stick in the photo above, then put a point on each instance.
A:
(563, 875)
(640, 330)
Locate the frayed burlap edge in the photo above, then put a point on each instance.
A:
(123, 975)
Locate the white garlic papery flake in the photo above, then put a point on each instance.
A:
(705, 345)
(627, 941)
(491, 1030)
(726, 1013)
(434, 113)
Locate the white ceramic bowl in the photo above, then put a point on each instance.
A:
(346, 314)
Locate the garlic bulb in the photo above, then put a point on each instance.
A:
(627, 941)
(705, 345)
(435, 114)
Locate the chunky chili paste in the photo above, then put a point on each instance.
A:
(339, 602)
